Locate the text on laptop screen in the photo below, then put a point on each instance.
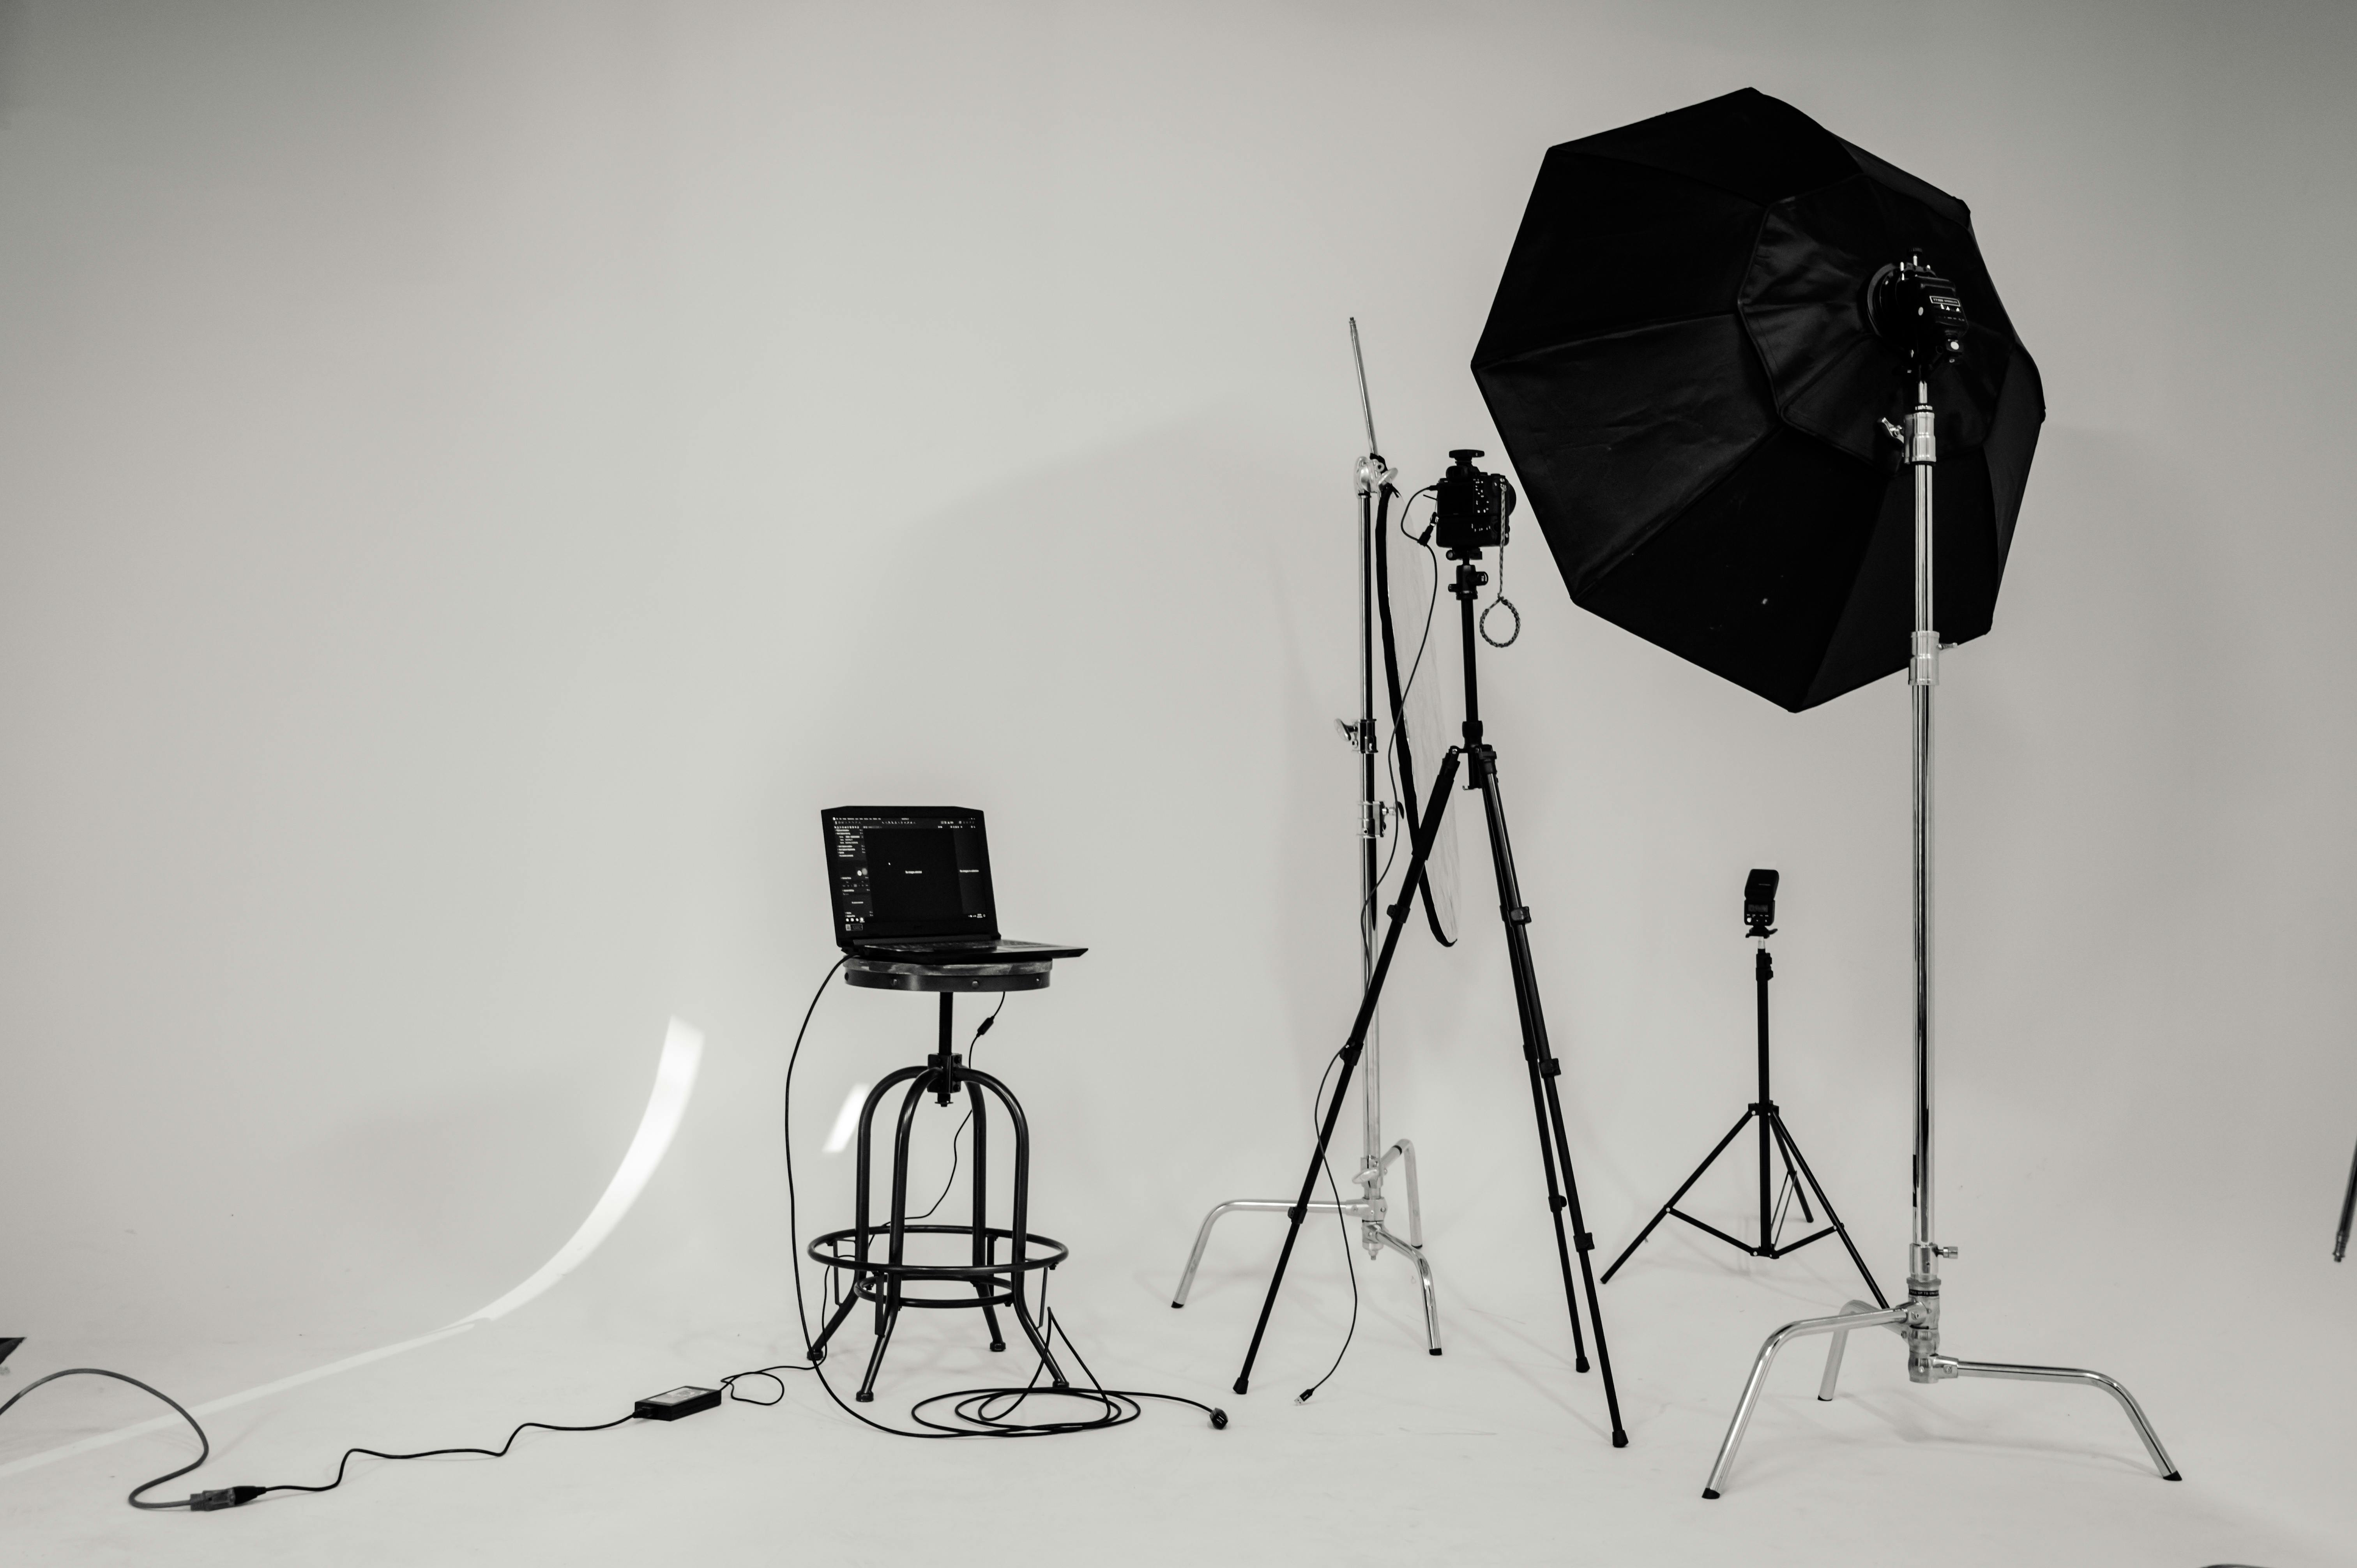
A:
(903, 873)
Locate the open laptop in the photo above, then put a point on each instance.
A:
(911, 884)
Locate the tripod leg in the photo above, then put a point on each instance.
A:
(1792, 1149)
(1555, 1147)
(1556, 1206)
(1740, 1123)
(1587, 1244)
(1350, 1054)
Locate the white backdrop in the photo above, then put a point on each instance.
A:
(479, 479)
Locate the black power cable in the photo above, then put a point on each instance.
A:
(498, 1453)
(204, 1444)
(238, 1496)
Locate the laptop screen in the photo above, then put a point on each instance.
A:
(899, 872)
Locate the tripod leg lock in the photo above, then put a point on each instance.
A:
(1517, 914)
(1551, 1066)
(1557, 1202)
(1585, 1241)
(1296, 1214)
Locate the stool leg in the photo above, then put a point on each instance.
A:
(885, 1317)
(1038, 1342)
(981, 1212)
(818, 1346)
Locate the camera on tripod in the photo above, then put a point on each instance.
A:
(1470, 508)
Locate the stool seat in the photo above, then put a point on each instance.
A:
(875, 974)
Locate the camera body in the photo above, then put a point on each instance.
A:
(1759, 903)
(1470, 508)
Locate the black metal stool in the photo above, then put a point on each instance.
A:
(995, 1281)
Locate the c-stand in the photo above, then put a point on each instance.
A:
(1539, 1060)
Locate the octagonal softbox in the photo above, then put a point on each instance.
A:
(1679, 362)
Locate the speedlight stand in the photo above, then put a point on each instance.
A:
(1480, 760)
(1776, 1141)
(1917, 1322)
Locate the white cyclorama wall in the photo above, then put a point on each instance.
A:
(477, 480)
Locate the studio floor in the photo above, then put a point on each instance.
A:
(1494, 1453)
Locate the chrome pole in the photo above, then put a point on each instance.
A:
(1922, 674)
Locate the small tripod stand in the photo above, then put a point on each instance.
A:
(1758, 908)
(1555, 1149)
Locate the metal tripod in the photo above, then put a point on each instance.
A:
(1538, 1059)
(1917, 1322)
(1370, 1208)
(1773, 1136)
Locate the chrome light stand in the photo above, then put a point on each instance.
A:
(1917, 1322)
(1370, 1208)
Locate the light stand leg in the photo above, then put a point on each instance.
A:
(1833, 1221)
(1829, 1383)
(1767, 1358)
(1666, 1209)
(1412, 1248)
(2111, 1386)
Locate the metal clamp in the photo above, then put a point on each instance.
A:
(1921, 445)
(1924, 669)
